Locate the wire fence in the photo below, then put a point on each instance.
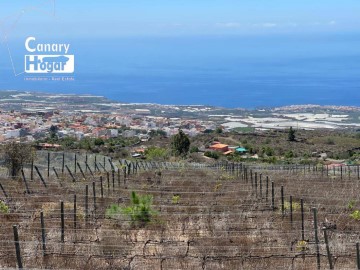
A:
(208, 216)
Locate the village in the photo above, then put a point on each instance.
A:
(95, 124)
(31, 126)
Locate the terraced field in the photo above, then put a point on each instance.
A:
(224, 217)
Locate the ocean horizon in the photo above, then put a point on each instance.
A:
(227, 71)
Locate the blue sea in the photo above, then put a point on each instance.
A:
(229, 71)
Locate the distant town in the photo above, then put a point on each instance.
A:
(29, 116)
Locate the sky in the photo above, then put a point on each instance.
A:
(160, 49)
(177, 17)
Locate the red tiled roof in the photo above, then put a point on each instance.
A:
(219, 146)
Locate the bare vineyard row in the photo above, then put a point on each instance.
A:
(230, 215)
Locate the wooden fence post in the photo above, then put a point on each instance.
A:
(111, 165)
(291, 210)
(101, 187)
(81, 170)
(316, 238)
(56, 174)
(41, 178)
(95, 165)
(118, 177)
(3, 190)
(282, 201)
(94, 196)
(102, 166)
(17, 247)
(113, 179)
(256, 183)
(74, 213)
(86, 202)
(267, 188)
(43, 232)
(26, 185)
(72, 176)
(251, 179)
(32, 170)
(108, 181)
(48, 165)
(328, 249)
(88, 168)
(75, 161)
(62, 221)
(63, 163)
(302, 220)
(358, 256)
(272, 195)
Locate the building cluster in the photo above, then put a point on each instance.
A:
(30, 126)
(227, 149)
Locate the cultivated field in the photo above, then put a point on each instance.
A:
(220, 217)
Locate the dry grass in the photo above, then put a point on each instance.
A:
(220, 221)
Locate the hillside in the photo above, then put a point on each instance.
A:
(224, 216)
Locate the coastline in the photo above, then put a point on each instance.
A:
(307, 116)
(112, 102)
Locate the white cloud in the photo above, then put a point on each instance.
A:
(292, 24)
(266, 25)
(332, 22)
(269, 25)
(229, 25)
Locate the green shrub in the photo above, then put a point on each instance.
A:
(99, 141)
(351, 204)
(156, 153)
(267, 150)
(295, 206)
(180, 144)
(355, 215)
(212, 154)
(291, 135)
(139, 211)
(226, 176)
(217, 187)
(289, 154)
(302, 245)
(113, 211)
(218, 130)
(306, 161)
(271, 160)
(330, 141)
(4, 208)
(175, 199)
